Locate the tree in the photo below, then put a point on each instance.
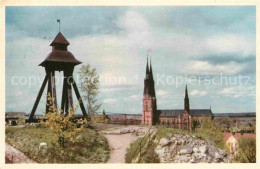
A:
(194, 125)
(212, 132)
(246, 150)
(226, 122)
(89, 87)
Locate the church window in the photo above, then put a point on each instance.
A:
(146, 106)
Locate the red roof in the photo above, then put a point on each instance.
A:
(238, 135)
(60, 39)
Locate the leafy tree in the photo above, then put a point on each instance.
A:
(194, 125)
(212, 132)
(89, 85)
(246, 150)
(226, 122)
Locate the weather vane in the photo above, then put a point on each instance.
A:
(58, 20)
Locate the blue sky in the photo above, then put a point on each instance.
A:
(200, 46)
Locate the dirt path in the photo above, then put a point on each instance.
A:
(118, 145)
(118, 142)
(18, 156)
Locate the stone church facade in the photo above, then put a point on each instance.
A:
(178, 118)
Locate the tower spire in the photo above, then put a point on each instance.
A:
(151, 70)
(147, 69)
(186, 92)
(186, 100)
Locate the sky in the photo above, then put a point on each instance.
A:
(211, 49)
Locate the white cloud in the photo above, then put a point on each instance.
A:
(175, 105)
(238, 91)
(137, 97)
(162, 93)
(134, 21)
(206, 68)
(110, 101)
(198, 93)
(230, 43)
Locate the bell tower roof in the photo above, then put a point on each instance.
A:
(60, 39)
(60, 58)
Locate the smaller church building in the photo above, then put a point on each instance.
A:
(178, 118)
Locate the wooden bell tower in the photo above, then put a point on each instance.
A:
(60, 59)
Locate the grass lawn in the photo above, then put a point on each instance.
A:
(90, 147)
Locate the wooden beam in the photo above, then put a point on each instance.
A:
(49, 91)
(38, 97)
(79, 99)
(64, 89)
(53, 89)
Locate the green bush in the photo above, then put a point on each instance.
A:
(246, 150)
(212, 132)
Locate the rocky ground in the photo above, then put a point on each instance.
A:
(178, 148)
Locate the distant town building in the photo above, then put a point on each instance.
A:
(125, 118)
(179, 118)
(12, 118)
(231, 140)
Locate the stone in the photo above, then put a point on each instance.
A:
(173, 149)
(184, 159)
(169, 135)
(43, 145)
(193, 160)
(196, 150)
(185, 150)
(164, 142)
(132, 130)
(218, 156)
(172, 139)
(188, 149)
(223, 152)
(203, 149)
(177, 135)
(179, 142)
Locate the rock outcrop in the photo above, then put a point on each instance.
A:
(178, 148)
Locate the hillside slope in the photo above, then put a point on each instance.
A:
(166, 145)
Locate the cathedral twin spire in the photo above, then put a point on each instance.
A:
(148, 81)
(149, 70)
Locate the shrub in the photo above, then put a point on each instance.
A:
(246, 150)
(212, 132)
(65, 128)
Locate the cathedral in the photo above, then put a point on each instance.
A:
(178, 118)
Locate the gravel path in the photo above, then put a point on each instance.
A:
(118, 145)
(118, 142)
(18, 156)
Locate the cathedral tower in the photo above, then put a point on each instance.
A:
(149, 113)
